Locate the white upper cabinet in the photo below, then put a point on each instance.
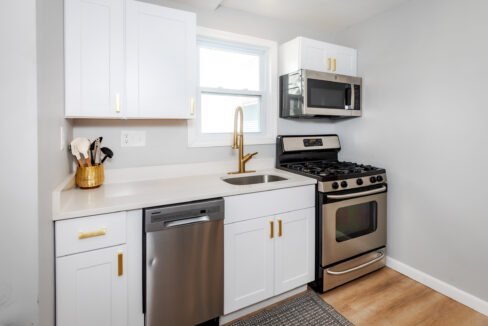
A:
(161, 61)
(343, 60)
(94, 52)
(304, 53)
(129, 59)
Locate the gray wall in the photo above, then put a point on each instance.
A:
(53, 162)
(18, 166)
(167, 140)
(424, 66)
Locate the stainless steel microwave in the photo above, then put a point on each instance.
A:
(312, 94)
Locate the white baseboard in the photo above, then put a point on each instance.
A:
(440, 286)
(260, 305)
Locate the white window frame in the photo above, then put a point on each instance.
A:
(269, 93)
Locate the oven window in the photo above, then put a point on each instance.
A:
(327, 94)
(356, 220)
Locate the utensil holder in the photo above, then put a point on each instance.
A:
(90, 177)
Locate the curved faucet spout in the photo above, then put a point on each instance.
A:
(238, 115)
(238, 142)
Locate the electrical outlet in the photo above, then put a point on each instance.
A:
(135, 138)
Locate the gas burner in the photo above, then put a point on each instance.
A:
(331, 169)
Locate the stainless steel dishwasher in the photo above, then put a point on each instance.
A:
(184, 263)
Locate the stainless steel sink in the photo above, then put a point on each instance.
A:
(254, 179)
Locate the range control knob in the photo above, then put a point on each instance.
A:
(344, 184)
(379, 178)
(372, 179)
(335, 185)
(359, 181)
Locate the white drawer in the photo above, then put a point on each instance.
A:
(267, 203)
(89, 233)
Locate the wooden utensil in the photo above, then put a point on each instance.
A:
(75, 152)
(83, 147)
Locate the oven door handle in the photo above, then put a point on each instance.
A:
(357, 194)
(374, 260)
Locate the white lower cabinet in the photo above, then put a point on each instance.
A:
(98, 270)
(267, 256)
(92, 288)
(248, 263)
(295, 250)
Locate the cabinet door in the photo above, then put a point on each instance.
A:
(94, 52)
(294, 249)
(91, 288)
(345, 60)
(161, 61)
(314, 55)
(248, 263)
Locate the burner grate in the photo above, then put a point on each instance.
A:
(330, 168)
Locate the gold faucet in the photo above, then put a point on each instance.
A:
(239, 142)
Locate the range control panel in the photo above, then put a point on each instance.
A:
(352, 183)
(307, 143)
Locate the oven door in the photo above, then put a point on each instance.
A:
(331, 94)
(352, 224)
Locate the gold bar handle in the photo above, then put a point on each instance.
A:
(117, 103)
(335, 64)
(329, 64)
(192, 106)
(280, 228)
(92, 234)
(271, 231)
(120, 263)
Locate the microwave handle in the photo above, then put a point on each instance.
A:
(353, 98)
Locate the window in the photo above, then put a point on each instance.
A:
(234, 70)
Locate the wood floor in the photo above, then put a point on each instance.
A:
(387, 297)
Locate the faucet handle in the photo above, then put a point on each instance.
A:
(249, 156)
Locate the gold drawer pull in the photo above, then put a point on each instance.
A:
(93, 234)
(335, 65)
(192, 106)
(280, 228)
(117, 103)
(120, 263)
(271, 231)
(329, 65)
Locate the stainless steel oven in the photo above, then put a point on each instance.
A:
(309, 94)
(353, 223)
(353, 234)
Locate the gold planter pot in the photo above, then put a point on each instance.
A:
(90, 177)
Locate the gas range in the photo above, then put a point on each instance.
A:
(351, 199)
(317, 157)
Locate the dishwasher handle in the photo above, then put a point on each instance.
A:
(186, 221)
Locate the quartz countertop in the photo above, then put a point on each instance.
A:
(126, 190)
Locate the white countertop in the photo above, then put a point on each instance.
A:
(129, 189)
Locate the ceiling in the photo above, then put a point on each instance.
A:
(331, 15)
